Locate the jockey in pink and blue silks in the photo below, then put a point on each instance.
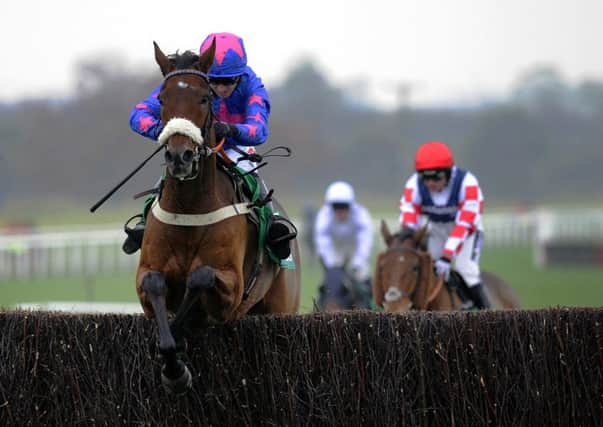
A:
(241, 109)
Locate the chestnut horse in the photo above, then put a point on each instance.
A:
(405, 279)
(199, 259)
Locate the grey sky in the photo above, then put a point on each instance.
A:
(445, 49)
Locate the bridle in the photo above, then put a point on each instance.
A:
(396, 293)
(200, 150)
(400, 293)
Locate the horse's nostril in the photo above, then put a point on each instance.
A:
(187, 156)
(168, 156)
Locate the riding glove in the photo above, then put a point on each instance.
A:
(360, 272)
(224, 130)
(442, 267)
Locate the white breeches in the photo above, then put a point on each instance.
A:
(466, 262)
(246, 165)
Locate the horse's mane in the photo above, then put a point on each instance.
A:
(409, 233)
(184, 60)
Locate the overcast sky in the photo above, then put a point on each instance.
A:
(446, 49)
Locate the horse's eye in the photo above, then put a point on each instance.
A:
(204, 100)
(160, 99)
(415, 268)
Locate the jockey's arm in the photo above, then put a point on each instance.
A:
(471, 201)
(254, 128)
(364, 238)
(322, 239)
(410, 204)
(145, 116)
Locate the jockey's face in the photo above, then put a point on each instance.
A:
(436, 186)
(435, 181)
(341, 211)
(224, 87)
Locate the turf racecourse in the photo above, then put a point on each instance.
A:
(578, 286)
(530, 367)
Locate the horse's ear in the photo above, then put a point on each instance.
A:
(377, 289)
(162, 60)
(387, 235)
(207, 58)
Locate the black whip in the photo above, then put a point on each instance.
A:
(123, 181)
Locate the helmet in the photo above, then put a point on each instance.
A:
(433, 155)
(339, 192)
(230, 58)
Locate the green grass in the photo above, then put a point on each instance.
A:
(539, 288)
(567, 286)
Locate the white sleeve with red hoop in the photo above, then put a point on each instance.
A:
(410, 204)
(469, 216)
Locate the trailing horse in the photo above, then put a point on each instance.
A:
(404, 279)
(339, 290)
(203, 257)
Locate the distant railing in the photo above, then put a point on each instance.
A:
(64, 253)
(83, 251)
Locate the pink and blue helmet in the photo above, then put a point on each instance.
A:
(230, 59)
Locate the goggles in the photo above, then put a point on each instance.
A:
(432, 175)
(225, 81)
(339, 206)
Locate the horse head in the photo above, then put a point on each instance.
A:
(404, 278)
(186, 110)
(336, 290)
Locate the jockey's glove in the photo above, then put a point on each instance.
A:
(360, 272)
(224, 130)
(442, 267)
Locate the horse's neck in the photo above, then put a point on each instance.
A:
(445, 299)
(199, 195)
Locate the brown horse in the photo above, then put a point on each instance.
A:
(199, 258)
(404, 278)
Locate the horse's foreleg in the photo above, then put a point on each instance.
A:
(200, 280)
(175, 375)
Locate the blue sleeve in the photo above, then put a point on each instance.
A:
(145, 116)
(254, 128)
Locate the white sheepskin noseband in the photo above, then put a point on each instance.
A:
(183, 127)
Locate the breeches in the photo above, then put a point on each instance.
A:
(466, 262)
(246, 165)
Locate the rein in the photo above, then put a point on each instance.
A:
(412, 292)
(188, 128)
(439, 285)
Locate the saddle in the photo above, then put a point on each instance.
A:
(247, 188)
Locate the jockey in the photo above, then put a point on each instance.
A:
(241, 108)
(453, 201)
(343, 232)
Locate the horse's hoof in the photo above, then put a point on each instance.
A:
(178, 385)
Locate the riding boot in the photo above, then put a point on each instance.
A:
(479, 297)
(135, 234)
(280, 230)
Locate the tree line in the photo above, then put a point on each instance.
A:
(539, 144)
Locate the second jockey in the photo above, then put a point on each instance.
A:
(343, 233)
(454, 203)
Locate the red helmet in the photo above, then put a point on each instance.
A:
(433, 155)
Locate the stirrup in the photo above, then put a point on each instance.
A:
(283, 230)
(130, 230)
(280, 232)
(135, 235)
